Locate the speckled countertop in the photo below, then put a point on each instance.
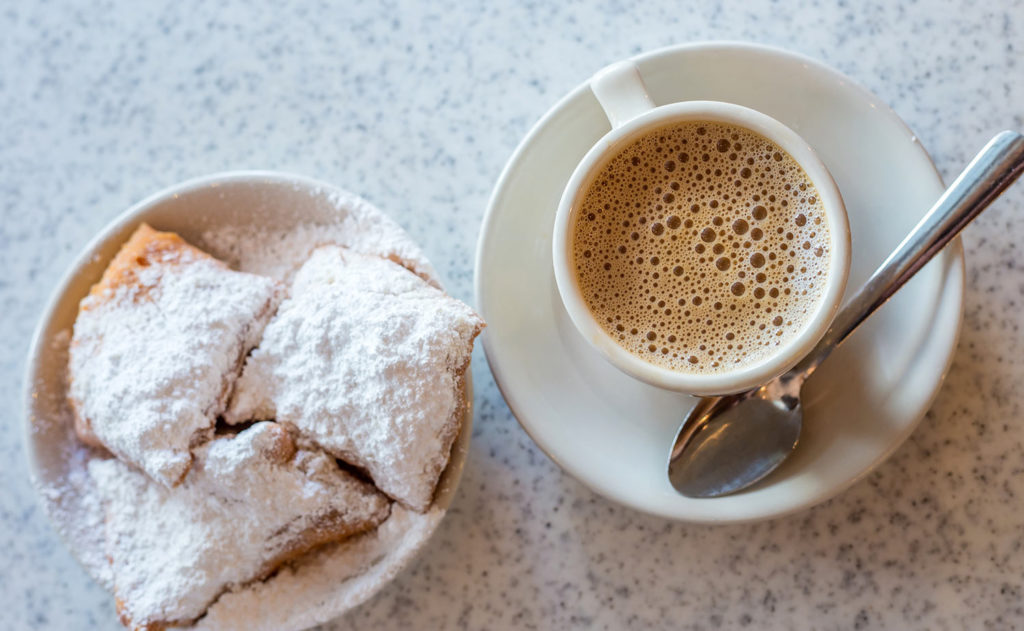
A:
(417, 106)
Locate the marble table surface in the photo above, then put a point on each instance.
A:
(417, 106)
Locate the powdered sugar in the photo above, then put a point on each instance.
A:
(278, 253)
(335, 578)
(250, 502)
(77, 510)
(365, 359)
(156, 347)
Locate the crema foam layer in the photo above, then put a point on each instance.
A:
(701, 247)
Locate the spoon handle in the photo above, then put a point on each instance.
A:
(997, 166)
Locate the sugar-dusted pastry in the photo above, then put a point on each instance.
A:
(156, 348)
(367, 360)
(252, 502)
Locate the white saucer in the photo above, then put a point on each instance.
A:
(612, 432)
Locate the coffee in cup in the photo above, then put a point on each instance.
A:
(701, 247)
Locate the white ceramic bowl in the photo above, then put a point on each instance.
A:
(272, 200)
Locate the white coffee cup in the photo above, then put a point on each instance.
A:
(621, 92)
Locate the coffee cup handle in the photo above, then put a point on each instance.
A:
(620, 90)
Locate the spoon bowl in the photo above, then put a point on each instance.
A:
(734, 442)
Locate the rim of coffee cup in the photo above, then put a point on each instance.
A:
(746, 377)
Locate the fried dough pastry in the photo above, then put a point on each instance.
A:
(368, 361)
(156, 347)
(252, 502)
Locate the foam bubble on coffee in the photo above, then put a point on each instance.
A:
(701, 247)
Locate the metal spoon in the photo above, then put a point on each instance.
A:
(728, 443)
